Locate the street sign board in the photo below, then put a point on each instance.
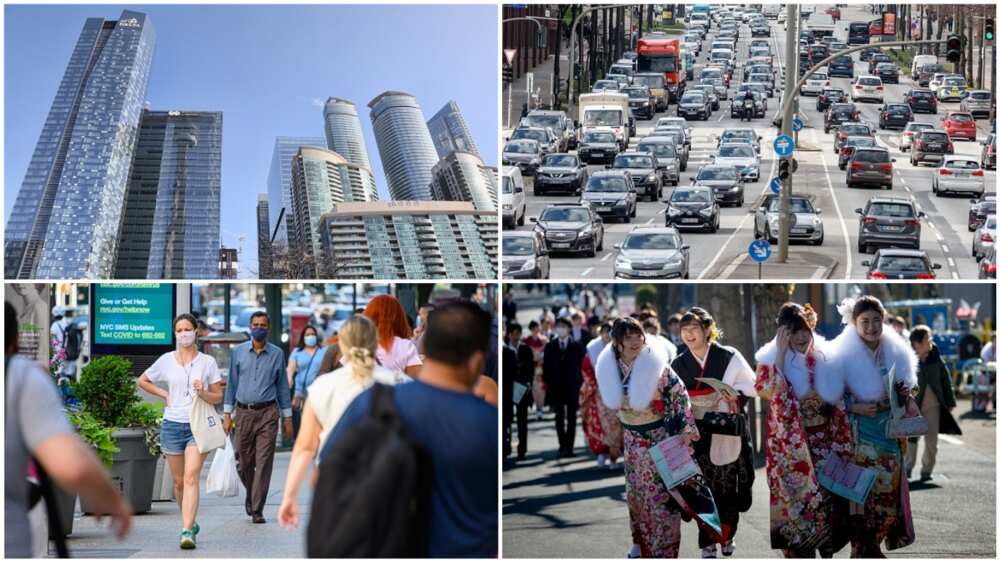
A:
(759, 250)
(784, 145)
(775, 185)
(888, 23)
(796, 124)
(530, 79)
(508, 54)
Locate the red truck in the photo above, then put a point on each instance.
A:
(659, 54)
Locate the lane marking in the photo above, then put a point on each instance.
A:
(587, 271)
(840, 215)
(950, 439)
(951, 262)
(650, 221)
(606, 256)
(945, 248)
(954, 275)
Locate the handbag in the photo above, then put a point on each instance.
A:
(846, 479)
(900, 427)
(673, 461)
(206, 426)
(722, 423)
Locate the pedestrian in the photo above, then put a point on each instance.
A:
(523, 373)
(257, 393)
(178, 377)
(418, 330)
(651, 325)
(863, 355)
(581, 332)
(457, 430)
(674, 331)
(726, 460)
(600, 424)
(562, 361)
(537, 340)
(988, 354)
(36, 430)
(396, 350)
(69, 339)
(635, 381)
(899, 324)
(804, 429)
(936, 399)
(325, 402)
(331, 355)
(303, 368)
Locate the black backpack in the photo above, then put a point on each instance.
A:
(372, 499)
(72, 341)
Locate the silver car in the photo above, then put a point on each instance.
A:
(984, 237)
(668, 162)
(959, 174)
(526, 154)
(807, 226)
(652, 252)
(977, 102)
(740, 156)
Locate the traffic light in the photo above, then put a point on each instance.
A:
(784, 169)
(988, 29)
(954, 48)
(508, 74)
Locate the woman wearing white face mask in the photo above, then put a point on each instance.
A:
(186, 373)
(303, 368)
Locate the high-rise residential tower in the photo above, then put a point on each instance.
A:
(404, 145)
(66, 217)
(264, 263)
(171, 224)
(462, 176)
(343, 131)
(450, 132)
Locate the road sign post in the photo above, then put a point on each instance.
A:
(787, 146)
(775, 185)
(759, 251)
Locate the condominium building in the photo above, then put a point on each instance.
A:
(279, 183)
(265, 266)
(450, 133)
(462, 176)
(343, 131)
(404, 145)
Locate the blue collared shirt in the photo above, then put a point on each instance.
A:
(257, 377)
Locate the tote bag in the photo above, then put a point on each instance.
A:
(206, 426)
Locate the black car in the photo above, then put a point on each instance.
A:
(893, 263)
(598, 146)
(979, 209)
(640, 101)
(817, 53)
(930, 145)
(570, 227)
(888, 72)
(560, 172)
(611, 193)
(693, 207)
(642, 167)
(866, 54)
(830, 96)
(694, 104)
(842, 66)
(875, 60)
(921, 100)
(894, 115)
(839, 113)
(726, 183)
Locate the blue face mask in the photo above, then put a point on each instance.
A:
(310, 340)
(259, 334)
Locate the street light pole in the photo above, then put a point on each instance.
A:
(791, 71)
(572, 41)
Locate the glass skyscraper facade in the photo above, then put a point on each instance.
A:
(264, 263)
(450, 133)
(462, 176)
(404, 145)
(65, 220)
(279, 182)
(343, 131)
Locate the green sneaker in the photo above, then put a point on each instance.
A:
(196, 529)
(187, 540)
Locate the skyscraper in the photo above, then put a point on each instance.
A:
(343, 131)
(171, 222)
(264, 265)
(450, 133)
(279, 183)
(65, 220)
(462, 176)
(404, 145)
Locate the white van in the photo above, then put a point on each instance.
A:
(607, 109)
(921, 60)
(512, 199)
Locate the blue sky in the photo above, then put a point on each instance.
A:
(268, 69)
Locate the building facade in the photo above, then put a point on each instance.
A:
(343, 131)
(265, 268)
(170, 228)
(462, 176)
(450, 133)
(279, 183)
(66, 217)
(409, 240)
(404, 145)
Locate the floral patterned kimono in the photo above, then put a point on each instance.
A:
(885, 516)
(600, 423)
(803, 429)
(537, 345)
(652, 404)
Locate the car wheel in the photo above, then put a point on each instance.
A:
(520, 221)
(600, 244)
(627, 218)
(818, 242)
(591, 253)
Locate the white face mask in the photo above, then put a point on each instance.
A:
(186, 338)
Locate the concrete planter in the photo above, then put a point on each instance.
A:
(133, 470)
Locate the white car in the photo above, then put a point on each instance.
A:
(959, 174)
(816, 84)
(740, 156)
(984, 237)
(867, 88)
(512, 198)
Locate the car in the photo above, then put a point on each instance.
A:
(852, 129)
(758, 87)
(888, 221)
(677, 134)
(714, 72)
(988, 156)
(708, 90)
(952, 88)
(988, 265)
(817, 52)
(760, 31)
(725, 181)
(598, 145)
(892, 263)
(937, 79)
(640, 101)
(849, 145)
(921, 100)
(981, 208)
(560, 172)
(741, 156)
(842, 66)
(815, 84)
(911, 129)
(558, 121)
(526, 154)
(959, 124)
(870, 165)
(623, 80)
(657, 87)
(694, 104)
(652, 252)
(978, 103)
(805, 227)
(625, 69)
(693, 207)
(757, 68)
(894, 116)
(867, 88)
(876, 59)
(611, 194)
(837, 46)
(867, 53)
(959, 174)
(839, 113)
(664, 150)
(760, 44)
(512, 198)
(721, 90)
(767, 79)
(524, 256)
(606, 85)
(570, 227)
(546, 137)
(930, 145)
(984, 237)
(830, 96)
(888, 72)
(676, 122)
(641, 166)
(925, 72)
(762, 53)
(746, 135)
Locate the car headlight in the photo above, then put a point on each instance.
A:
(673, 211)
(587, 231)
(528, 264)
(671, 166)
(707, 211)
(651, 177)
(816, 221)
(623, 262)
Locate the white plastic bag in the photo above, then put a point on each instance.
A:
(223, 479)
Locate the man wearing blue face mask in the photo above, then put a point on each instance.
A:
(257, 392)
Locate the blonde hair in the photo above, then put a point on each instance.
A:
(358, 342)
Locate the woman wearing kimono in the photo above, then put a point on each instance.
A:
(536, 340)
(635, 380)
(863, 355)
(725, 460)
(600, 424)
(804, 427)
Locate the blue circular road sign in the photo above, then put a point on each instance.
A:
(775, 185)
(784, 145)
(759, 250)
(796, 124)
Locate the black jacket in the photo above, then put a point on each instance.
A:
(933, 373)
(561, 371)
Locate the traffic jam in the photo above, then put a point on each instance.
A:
(667, 166)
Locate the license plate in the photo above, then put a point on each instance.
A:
(961, 174)
(689, 221)
(560, 245)
(892, 228)
(798, 231)
(597, 154)
(603, 209)
(647, 273)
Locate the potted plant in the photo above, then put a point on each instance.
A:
(108, 392)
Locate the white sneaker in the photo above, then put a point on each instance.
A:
(602, 460)
(709, 552)
(729, 548)
(634, 552)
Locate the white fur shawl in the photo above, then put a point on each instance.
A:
(796, 372)
(855, 369)
(646, 372)
(594, 348)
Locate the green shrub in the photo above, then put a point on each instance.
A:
(96, 434)
(108, 390)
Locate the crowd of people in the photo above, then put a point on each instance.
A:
(436, 376)
(857, 404)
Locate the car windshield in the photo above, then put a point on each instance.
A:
(933, 137)
(559, 160)
(821, 76)
(518, 246)
(599, 137)
(508, 185)
(760, 77)
(954, 81)
(919, 126)
(521, 147)
(637, 93)
(693, 98)
(796, 205)
(869, 81)
(961, 164)
(613, 184)
(649, 81)
(897, 108)
(534, 134)
(859, 141)
(542, 121)
(961, 117)
(980, 96)
(710, 73)
(833, 93)
(902, 263)
(690, 196)
(571, 214)
(606, 85)
(895, 210)
(855, 129)
(717, 173)
(734, 135)
(660, 149)
(651, 241)
(885, 66)
(879, 156)
(736, 151)
(630, 161)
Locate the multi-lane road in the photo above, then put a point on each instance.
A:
(944, 235)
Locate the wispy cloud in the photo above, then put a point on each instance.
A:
(317, 102)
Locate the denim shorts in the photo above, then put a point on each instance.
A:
(175, 437)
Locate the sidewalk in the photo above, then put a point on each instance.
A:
(801, 264)
(226, 530)
(517, 90)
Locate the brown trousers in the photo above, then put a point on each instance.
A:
(256, 432)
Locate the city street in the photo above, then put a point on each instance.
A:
(723, 254)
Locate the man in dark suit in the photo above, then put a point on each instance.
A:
(523, 373)
(561, 371)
